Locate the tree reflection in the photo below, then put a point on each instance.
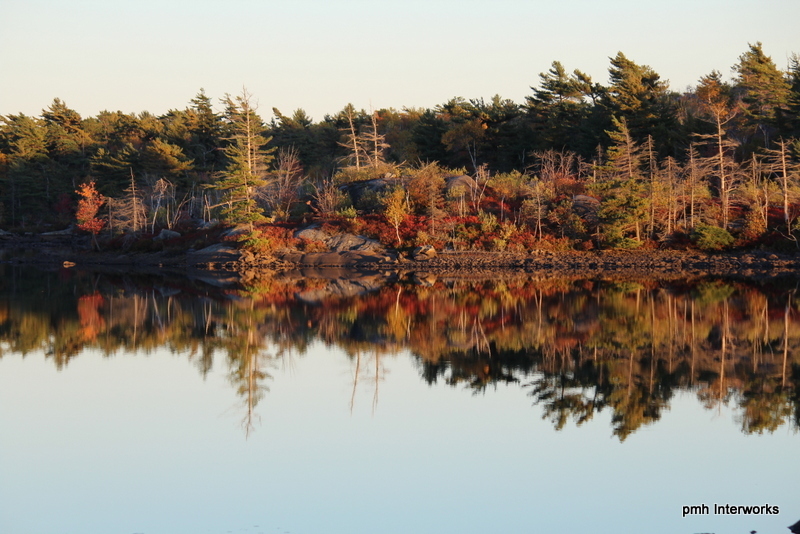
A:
(577, 346)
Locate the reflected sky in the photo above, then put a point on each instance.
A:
(143, 443)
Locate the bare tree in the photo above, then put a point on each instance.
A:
(787, 174)
(162, 204)
(374, 142)
(283, 186)
(720, 110)
(695, 180)
(127, 213)
(327, 198)
(353, 140)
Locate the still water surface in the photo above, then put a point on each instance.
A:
(304, 406)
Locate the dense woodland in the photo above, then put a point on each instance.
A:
(579, 164)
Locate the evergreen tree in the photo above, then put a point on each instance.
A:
(317, 145)
(161, 159)
(248, 159)
(638, 94)
(624, 195)
(427, 136)
(205, 129)
(765, 93)
(507, 142)
(558, 111)
(624, 155)
(793, 100)
(68, 147)
(464, 137)
(24, 181)
(197, 131)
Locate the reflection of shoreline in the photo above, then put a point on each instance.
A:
(578, 347)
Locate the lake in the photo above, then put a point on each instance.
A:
(305, 405)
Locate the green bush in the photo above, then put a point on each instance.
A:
(707, 237)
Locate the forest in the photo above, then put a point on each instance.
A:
(578, 165)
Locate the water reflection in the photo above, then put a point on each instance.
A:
(578, 347)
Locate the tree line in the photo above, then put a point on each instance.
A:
(578, 163)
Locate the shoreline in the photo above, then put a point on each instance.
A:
(225, 261)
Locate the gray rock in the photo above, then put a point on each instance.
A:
(424, 279)
(219, 253)
(354, 243)
(342, 288)
(586, 207)
(66, 231)
(204, 225)
(358, 190)
(425, 252)
(166, 234)
(237, 230)
(312, 233)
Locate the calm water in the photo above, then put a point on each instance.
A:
(304, 406)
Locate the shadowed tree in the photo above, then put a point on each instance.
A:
(638, 94)
(765, 93)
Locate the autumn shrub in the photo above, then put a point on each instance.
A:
(308, 245)
(426, 190)
(711, 238)
(498, 244)
(348, 212)
(461, 233)
(569, 186)
(352, 174)
(510, 186)
(375, 227)
(267, 239)
(753, 228)
(342, 225)
(488, 222)
(523, 240)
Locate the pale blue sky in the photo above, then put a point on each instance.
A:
(155, 55)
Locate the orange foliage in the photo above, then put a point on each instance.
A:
(92, 323)
(89, 204)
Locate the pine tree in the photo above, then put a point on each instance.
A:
(639, 94)
(67, 146)
(24, 174)
(248, 159)
(765, 94)
(624, 205)
(558, 110)
(793, 100)
(625, 154)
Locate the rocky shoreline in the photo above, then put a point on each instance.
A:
(604, 264)
(226, 261)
